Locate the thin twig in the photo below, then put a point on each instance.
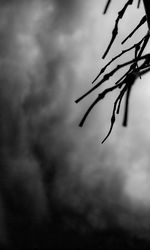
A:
(115, 30)
(107, 6)
(139, 2)
(110, 74)
(135, 70)
(143, 20)
(116, 57)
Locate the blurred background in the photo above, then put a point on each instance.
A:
(60, 187)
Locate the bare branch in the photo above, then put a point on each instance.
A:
(129, 83)
(138, 66)
(139, 2)
(143, 20)
(115, 30)
(116, 57)
(107, 6)
(110, 74)
(113, 118)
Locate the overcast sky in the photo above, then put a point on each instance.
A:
(51, 51)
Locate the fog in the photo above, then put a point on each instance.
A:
(60, 187)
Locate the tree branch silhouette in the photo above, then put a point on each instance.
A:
(138, 66)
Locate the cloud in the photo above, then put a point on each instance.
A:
(57, 176)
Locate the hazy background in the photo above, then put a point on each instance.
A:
(57, 178)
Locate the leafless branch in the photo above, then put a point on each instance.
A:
(137, 67)
(115, 30)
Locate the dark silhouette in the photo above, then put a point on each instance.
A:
(138, 66)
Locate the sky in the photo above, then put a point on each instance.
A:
(51, 51)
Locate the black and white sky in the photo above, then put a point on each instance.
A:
(50, 52)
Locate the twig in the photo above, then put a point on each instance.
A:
(110, 74)
(107, 6)
(115, 30)
(139, 2)
(143, 20)
(135, 70)
(113, 118)
(116, 57)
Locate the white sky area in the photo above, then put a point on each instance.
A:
(81, 44)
